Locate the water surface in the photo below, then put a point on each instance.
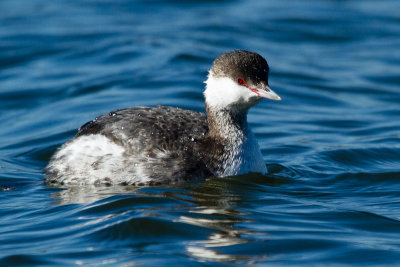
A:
(332, 196)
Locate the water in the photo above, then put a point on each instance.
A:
(332, 146)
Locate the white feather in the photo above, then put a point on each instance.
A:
(94, 159)
(245, 156)
(223, 92)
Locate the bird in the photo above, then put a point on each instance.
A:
(164, 145)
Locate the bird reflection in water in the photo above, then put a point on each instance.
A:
(211, 205)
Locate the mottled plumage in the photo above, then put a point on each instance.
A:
(166, 141)
(157, 145)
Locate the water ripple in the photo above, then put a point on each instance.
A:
(331, 196)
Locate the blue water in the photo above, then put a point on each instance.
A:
(332, 146)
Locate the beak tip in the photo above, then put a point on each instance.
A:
(270, 94)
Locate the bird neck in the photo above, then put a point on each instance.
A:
(228, 123)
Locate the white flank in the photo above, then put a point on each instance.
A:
(87, 160)
(95, 159)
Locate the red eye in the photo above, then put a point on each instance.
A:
(241, 81)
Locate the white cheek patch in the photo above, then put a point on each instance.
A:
(222, 92)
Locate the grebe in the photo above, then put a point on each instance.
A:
(158, 145)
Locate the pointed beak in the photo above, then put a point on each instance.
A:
(267, 92)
